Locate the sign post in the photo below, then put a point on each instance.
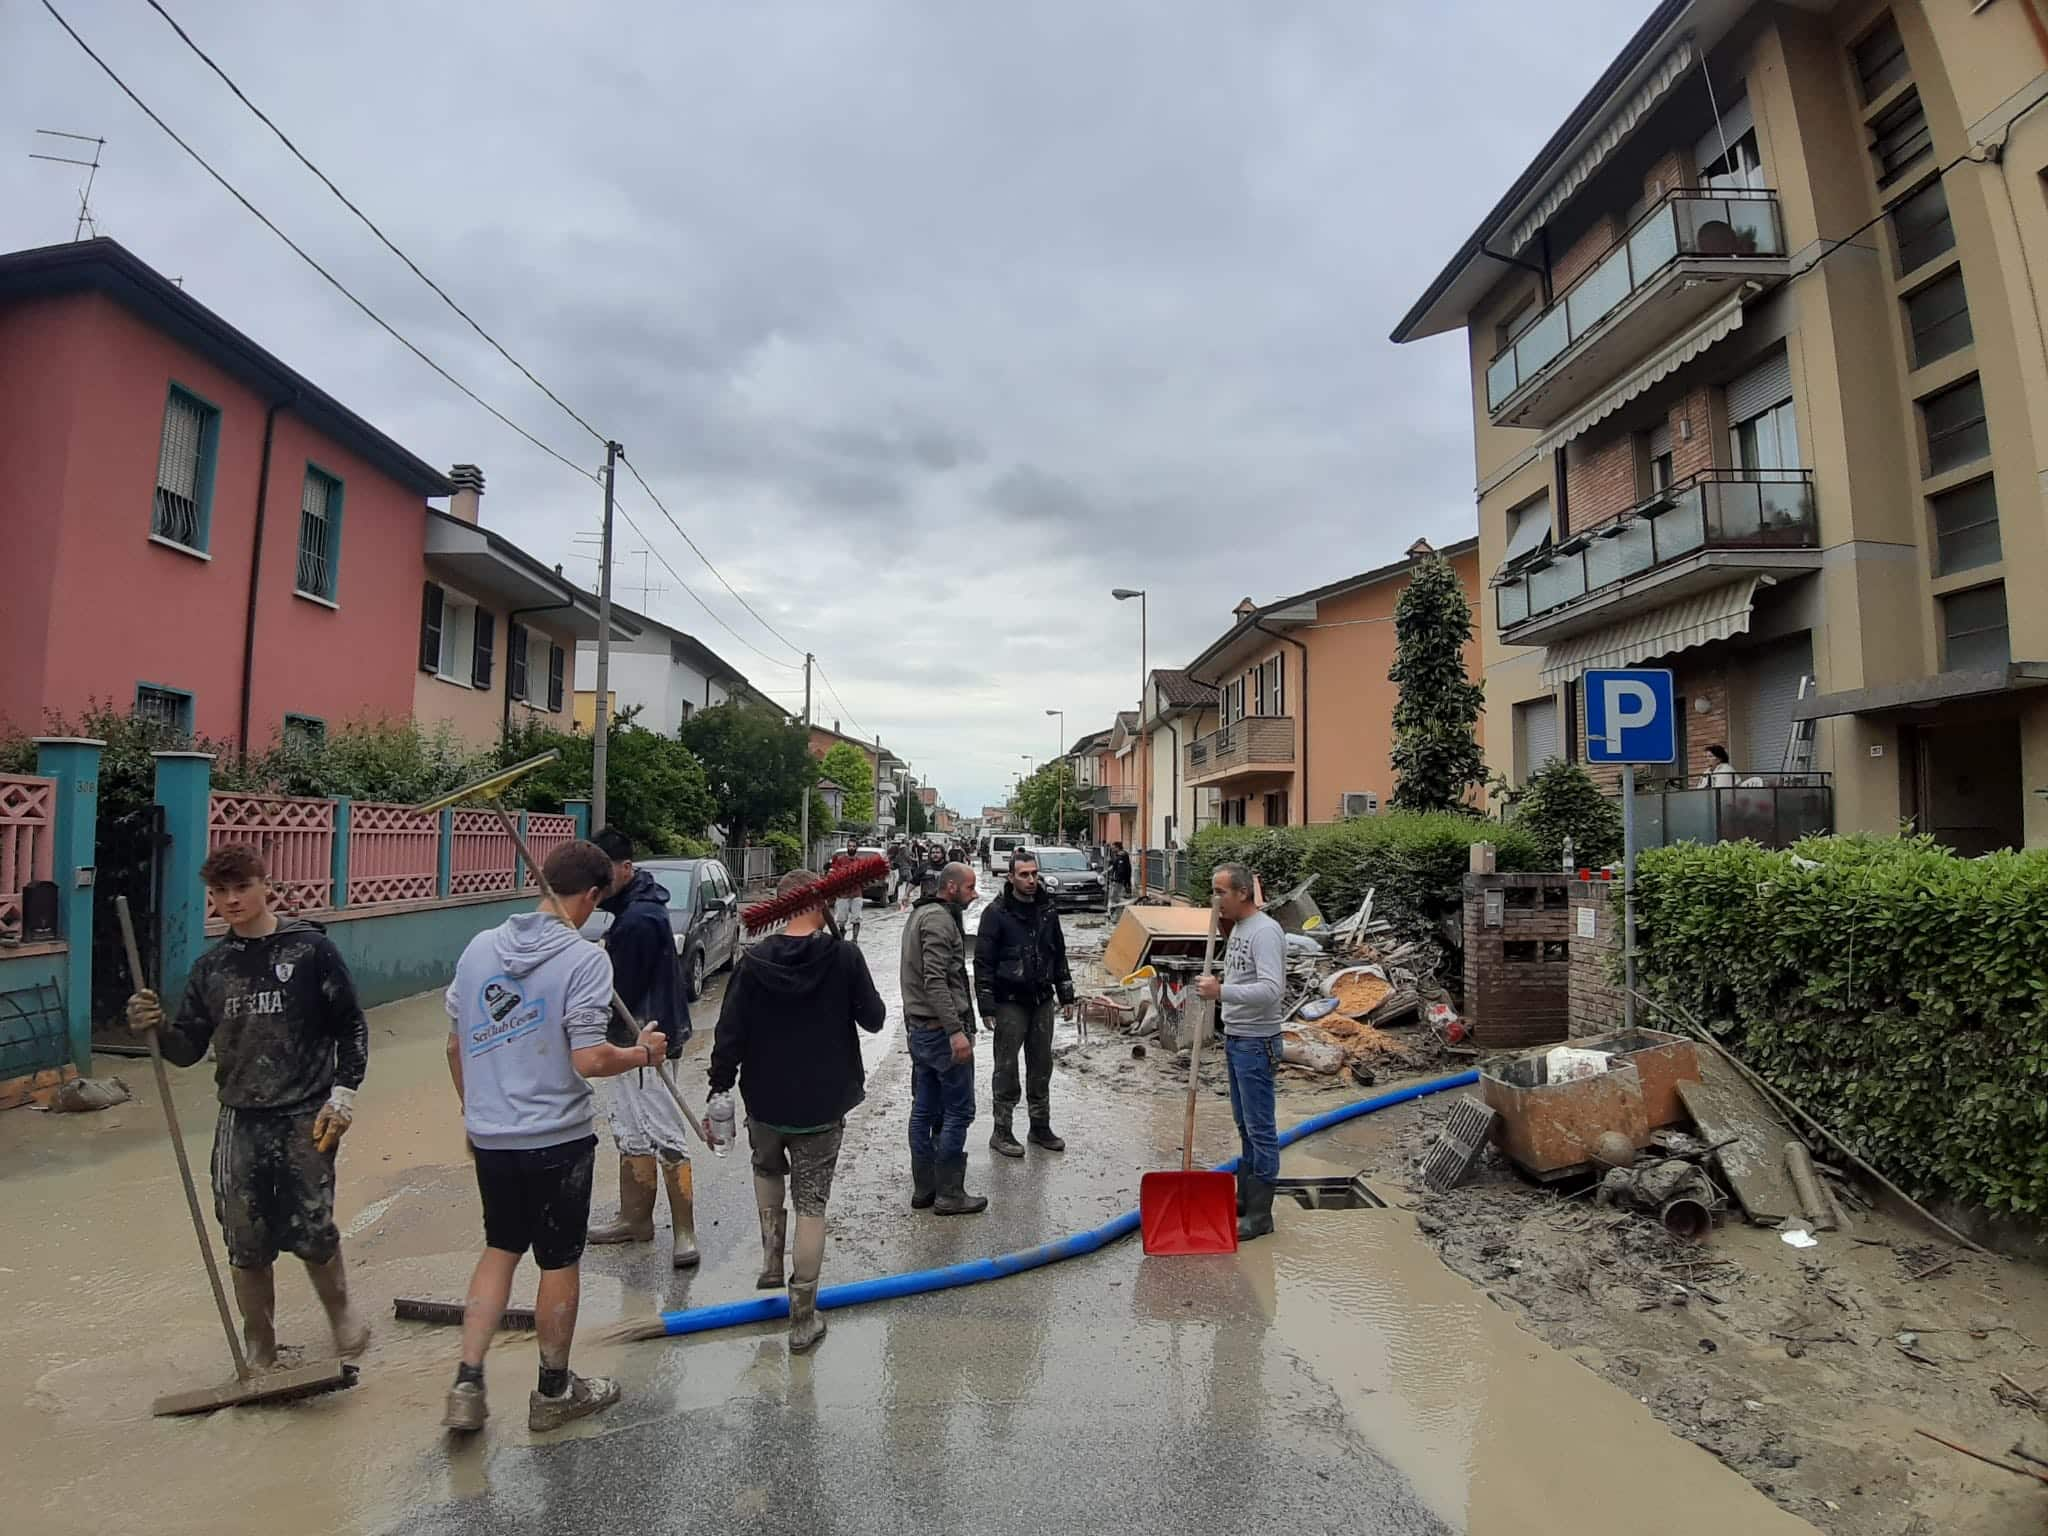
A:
(1631, 718)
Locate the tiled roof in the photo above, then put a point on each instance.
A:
(1181, 691)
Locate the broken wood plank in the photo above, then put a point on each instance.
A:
(1728, 1110)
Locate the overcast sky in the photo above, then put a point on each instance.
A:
(932, 320)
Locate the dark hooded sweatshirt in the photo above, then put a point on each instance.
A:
(642, 944)
(281, 1015)
(786, 1031)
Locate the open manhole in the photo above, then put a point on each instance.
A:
(1332, 1193)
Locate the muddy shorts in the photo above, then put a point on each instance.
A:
(273, 1190)
(807, 1158)
(538, 1198)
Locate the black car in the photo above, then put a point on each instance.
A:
(1064, 875)
(703, 909)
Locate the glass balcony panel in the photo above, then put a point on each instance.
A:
(1598, 292)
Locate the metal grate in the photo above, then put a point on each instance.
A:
(176, 514)
(1456, 1151)
(316, 535)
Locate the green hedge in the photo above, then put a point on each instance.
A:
(1898, 992)
(1416, 861)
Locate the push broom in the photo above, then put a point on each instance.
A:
(249, 1385)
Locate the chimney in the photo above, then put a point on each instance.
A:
(835, 727)
(466, 503)
(1245, 609)
(1420, 550)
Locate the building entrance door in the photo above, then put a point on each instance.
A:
(1968, 793)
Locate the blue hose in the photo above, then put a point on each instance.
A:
(766, 1308)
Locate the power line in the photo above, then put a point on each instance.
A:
(619, 508)
(300, 251)
(820, 667)
(368, 222)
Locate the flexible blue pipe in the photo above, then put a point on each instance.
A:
(766, 1308)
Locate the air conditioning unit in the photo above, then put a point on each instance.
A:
(1358, 802)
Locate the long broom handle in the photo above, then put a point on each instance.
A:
(1187, 1139)
(163, 1092)
(619, 1008)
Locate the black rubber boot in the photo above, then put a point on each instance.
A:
(1042, 1136)
(953, 1198)
(1257, 1219)
(1002, 1139)
(1242, 1179)
(924, 1184)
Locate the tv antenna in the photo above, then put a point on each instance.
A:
(646, 585)
(85, 220)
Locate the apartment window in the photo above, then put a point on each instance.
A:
(483, 650)
(515, 660)
(1738, 167)
(1231, 813)
(558, 669)
(689, 709)
(1921, 229)
(319, 534)
(1272, 686)
(1974, 637)
(304, 733)
(166, 706)
(1965, 528)
(447, 635)
(1938, 318)
(1956, 433)
(1880, 59)
(1528, 531)
(1535, 736)
(1232, 701)
(184, 470)
(1276, 809)
(1899, 137)
(1516, 321)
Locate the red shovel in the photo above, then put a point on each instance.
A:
(1189, 1212)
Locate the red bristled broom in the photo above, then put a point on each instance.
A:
(848, 879)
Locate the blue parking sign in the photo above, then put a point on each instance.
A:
(1631, 716)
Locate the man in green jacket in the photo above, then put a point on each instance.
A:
(938, 1022)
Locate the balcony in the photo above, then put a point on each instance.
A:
(1675, 263)
(1706, 530)
(1255, 745)
(1113, 797)
(1776, 812)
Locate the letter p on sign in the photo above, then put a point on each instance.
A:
(1631, 716)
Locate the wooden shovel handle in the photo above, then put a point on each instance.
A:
(1187, 1139)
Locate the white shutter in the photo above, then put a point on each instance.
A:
(1527, 525)
(1768, 687)
(177, 466)
(1761, 388)
(1535, 735)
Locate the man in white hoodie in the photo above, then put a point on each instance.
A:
(528, 1011)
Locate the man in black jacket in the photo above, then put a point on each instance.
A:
(646, 1126)
(1020, 967)
(787, 1034)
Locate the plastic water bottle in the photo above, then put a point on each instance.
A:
(719, 1120)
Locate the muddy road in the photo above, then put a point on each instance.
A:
(1334, 1377)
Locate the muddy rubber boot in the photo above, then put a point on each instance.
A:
(807, 1259)
(1042, 1136)
(637, 1176)
(1257, 1219)
(1242, 1176)
(953, 1199)
(682, 1212)
(1002, 1139)
(256, 1300)
(586, 1395)
(351, 1330)
(466, 1408)
(774, 1225)
(924, 1184)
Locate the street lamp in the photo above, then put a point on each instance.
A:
(1124, 594)
(1060, 826)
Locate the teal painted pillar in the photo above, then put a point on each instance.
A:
(444, 868)
(74, 762)
(342, 806)
(184, 780)
(579, 810)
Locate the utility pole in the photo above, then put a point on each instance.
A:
(600, 723)
(804, 815)
(1060, 767)
(879, 837)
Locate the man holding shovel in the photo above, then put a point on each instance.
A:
(290, 1047)
(1251, 991)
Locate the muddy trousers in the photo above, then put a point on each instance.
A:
(1025, 1027)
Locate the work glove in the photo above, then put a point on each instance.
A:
(145, 1012)
(334, 1119)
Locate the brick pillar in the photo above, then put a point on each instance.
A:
(1517, 960)
(1596, 998)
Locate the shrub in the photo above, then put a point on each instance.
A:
(1893, 989)
(654, 786)
(1561, 800)
(789, 853)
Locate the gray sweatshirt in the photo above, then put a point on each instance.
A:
(1254, 977)
(525, 995)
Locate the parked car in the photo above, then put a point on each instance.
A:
(1065, 877)
(703, 910)
(879, 892)
(1001, 845)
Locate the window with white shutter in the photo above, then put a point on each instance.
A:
(184, 470)
(319, 535)
(1535, 736)
(558, 661)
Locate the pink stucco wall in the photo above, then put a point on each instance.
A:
(110, 608)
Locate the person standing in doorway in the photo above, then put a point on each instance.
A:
(646, 1126)
(788, 1035)
(528, 1013)
(290, 1048)
(1251, 991)
(938, 1023)
(1020, 972)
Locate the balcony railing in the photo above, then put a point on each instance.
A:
(1689, 222)
(1255, 742)
(1113, 797)
(1717, 509)
(1777, 811)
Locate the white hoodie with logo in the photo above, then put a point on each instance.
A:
(525, 995)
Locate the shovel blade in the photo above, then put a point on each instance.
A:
(1181, 1213)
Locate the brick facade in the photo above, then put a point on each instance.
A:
(1517, 960)
(1583, 253)
(1600, 480)
(1671, 171)
(1695, 675)
(1694, 431)
(1596, 999)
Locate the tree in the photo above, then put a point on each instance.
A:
(1437, 761)
(1561, 800)
(655, 789)
(910, 813)
(1038, 801)
(853, 771)
(757, 764)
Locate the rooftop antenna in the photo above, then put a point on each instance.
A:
(85, 220)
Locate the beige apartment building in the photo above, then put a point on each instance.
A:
(1760, 393)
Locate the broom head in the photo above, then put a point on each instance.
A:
(848, 879)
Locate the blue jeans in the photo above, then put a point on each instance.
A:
(941, 1097)
(1252, 1064)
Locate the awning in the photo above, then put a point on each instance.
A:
(1716, 325)
(1619, 125)
(1698, 620)
(1923, 692)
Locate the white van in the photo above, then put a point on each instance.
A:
(1001, 845)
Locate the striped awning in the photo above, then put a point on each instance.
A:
(1696, 620)
(1717, 324)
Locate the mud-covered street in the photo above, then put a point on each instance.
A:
(1336, 1377)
